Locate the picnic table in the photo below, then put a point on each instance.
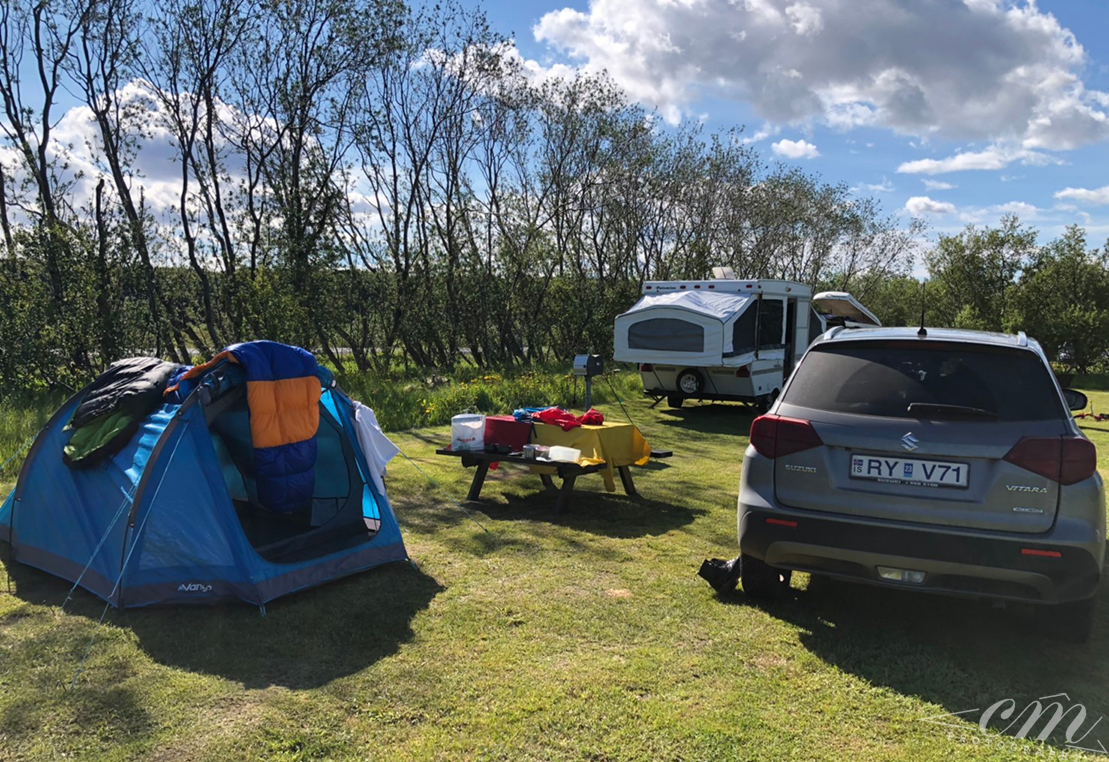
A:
(568, 472)
(608, 449)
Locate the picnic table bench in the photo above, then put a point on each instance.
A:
(568, 472)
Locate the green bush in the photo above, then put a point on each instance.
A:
(405, 401)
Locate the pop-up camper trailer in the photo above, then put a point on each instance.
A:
(727, 339)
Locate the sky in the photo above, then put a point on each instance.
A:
(957, 111)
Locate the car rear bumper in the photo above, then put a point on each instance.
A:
(953, 563)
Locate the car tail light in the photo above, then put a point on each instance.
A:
(1040, 553)
(646, 367)
(1067, 460)
(1079, 460)
(782, 522)
(744, 372)
(774, 436)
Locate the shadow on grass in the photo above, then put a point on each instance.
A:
(711, 418)
(1095, 382)
(430, 437)
(960, 654)
(305, 640)
(603, 513)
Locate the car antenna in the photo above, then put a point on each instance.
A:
(923, 332)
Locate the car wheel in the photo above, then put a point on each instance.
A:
(1069, 622)
(690, 382)
(762, 581)
(674, 401)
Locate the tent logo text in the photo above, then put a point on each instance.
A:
(194, 587)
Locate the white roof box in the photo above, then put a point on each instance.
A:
(842, 305)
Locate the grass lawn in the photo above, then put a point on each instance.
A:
(581, 636)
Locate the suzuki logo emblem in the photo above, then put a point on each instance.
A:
(909, 442)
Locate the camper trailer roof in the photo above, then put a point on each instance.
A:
(728, 286)
(721, 306)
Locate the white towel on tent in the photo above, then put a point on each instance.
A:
(375, 445)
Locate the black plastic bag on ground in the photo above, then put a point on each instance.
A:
(722, 575)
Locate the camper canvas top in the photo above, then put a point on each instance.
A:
(723, 285)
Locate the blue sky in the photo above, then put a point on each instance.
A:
(896, 98)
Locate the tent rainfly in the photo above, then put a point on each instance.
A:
(181, 513)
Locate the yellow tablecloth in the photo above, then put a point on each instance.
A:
(614, 444)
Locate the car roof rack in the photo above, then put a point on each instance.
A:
(1022, 339)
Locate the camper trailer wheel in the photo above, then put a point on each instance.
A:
(690, 382)
(674, 401)
(766, 401)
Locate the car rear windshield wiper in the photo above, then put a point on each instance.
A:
(938, 410)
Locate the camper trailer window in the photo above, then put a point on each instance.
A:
(771, 323)
(743, 333)
(666, 335)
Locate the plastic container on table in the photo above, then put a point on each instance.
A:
(468, 432)
(564, 454)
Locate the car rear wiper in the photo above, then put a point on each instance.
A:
(938, 410)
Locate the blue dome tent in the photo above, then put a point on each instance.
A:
(174, 517)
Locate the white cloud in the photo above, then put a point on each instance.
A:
(979, 70)
(937, 185)
(795, 149)
(992, 158)
(155, 172)
(883, 187)
(805, 19)
(991, 214)
(75, 146)
(918, 206)
(1097, 196)
(1020, 208)
(766, 131)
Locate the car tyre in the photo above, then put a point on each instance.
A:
(763, 581)
(690, 382)
(1068, 622)
(674, 401)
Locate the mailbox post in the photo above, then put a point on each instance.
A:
(588, 366)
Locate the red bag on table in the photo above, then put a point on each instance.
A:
(592, 418)
(556, 416)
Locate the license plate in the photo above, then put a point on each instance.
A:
(925, 473)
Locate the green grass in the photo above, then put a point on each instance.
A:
(21, 416)
(585, 636)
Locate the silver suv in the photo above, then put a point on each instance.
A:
(940, 460)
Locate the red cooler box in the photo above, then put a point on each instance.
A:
(506, 431)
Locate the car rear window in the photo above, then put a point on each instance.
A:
(884, 378)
